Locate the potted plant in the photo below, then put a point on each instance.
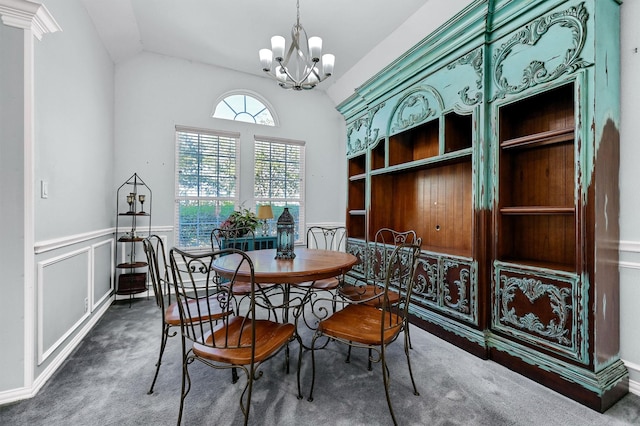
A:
(243, 218)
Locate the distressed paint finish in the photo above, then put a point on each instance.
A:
(447, 284)
(557, 325)
(557, 52)
(543, 308)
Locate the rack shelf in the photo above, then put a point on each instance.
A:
(131, 271)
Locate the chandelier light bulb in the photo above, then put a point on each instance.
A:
(327, 63)
(266, 57)
(315, 48)
(277, 47)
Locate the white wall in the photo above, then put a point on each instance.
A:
(155, 93)
(629, 199)
(74, 126)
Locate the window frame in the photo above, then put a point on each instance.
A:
(275, 201)
(179, 198)
(247, 93)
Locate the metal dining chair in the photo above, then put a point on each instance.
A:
(242, 341)
(370, 292)
(239, 238)
(377, 324)
(324, 238)
(159, 275)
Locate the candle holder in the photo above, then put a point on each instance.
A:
(131, 199)
(285, 236)
(141, 198)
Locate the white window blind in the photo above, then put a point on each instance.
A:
(279, 178)
(206, 183)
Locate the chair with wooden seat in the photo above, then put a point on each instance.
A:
(324, 238)
(377, 322)
(159, 275)
(239, 238)
(370, 292)
(242, 341)
(385, 241)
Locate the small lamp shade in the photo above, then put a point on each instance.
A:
(285, 236)
(265, 212)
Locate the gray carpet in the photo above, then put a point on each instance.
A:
(106, 379)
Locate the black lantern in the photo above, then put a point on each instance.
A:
(286, 236)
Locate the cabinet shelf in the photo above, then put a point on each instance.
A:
(532, 210)
(357, 212)
(132, 265)
(131, 240)
(540, 139)
(134, 214)
(529, 263)
(357, 165)
(356, 178)
(433, 162)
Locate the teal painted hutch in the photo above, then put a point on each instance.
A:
(496, 140)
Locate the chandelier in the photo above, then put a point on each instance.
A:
(300, 68)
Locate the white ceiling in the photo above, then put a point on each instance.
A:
(230, 33)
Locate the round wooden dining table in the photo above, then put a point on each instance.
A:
(308, 265)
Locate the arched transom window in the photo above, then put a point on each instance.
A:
(244, 107)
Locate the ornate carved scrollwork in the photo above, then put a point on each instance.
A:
(355, 144)
(415, 107)
(533, 289)
(359, 251)
(462, 305)
(473, 58)
(426, 283)
(574, 18)
(360, 143)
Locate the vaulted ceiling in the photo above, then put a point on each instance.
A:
(230, 33)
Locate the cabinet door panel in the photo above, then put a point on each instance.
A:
(358, 248)
(425, 290)
(459, 289)
(448, 285)
(540, 308)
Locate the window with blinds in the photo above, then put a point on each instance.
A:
(279, 178)
(206, 183)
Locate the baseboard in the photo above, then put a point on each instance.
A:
(18, 394)
(634, 371)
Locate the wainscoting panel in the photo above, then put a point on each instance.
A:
(64, 285)
(629, 299)
(102, 272)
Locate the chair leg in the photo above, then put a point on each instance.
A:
(385, 379)
(299, 367)
(313, 367)
(286, 358)
(163, 344)
(248, 389)
(348, 360)
(186, 381)
(407, 346)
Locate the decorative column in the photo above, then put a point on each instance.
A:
(17, 113)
